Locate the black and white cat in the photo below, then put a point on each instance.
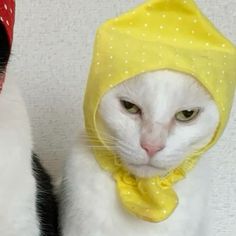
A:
(28, 206)
(182, 117)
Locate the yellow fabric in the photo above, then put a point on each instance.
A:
(159, 34)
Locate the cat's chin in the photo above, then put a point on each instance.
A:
(147, 171)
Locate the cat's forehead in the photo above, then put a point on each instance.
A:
(167, 87)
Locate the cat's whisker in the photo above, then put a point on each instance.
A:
(93, 138)
(104, 137)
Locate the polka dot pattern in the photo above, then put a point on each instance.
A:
(7, 16)
(158, 35)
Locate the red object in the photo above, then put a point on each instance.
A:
(7, 19)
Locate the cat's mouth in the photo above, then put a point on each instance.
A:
(147, 170)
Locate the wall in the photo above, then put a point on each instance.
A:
(51, 57)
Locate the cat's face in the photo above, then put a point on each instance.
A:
(155, 120)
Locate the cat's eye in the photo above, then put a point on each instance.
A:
(187, 115)
(130, 107)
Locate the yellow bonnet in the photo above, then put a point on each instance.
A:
(159, 34)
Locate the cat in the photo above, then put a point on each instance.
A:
(28, 206)
(152, 121)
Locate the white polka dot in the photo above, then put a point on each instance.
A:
(180, 18)
(110, 85)
(143, 34)
(145, 25)
(177, 29)
(126, 53)
(133, 12)
(223, 45)
(195, 21)
(143, 60)
(5, 6)
(207, 44)
(208, 72)
(111, 47)
(193, 32)
(148, 13)
(1, 19)
(163, 15)
(111, 57)
(174, 39)
(221, 81)
(191, 42)
(11, 11)
(98, 63)
(126, 72)
(131, 23)
(223, 72)
(126, 61)
(161, 27)
(7, 22)
(113, 28)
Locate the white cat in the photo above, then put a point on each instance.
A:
(152, 121)
(27, 204)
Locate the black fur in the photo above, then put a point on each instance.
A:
(4, 48)
(47, 207)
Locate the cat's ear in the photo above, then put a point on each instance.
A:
(7, 18)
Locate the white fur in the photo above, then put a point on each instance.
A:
(17, 184)
(90, 205)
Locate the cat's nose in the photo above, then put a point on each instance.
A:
(151, 149)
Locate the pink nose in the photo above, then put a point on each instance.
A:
(152, 149)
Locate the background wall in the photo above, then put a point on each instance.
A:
(51, 57)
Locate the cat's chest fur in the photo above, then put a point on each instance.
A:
(27, 204)
(96, 211)
(18, 214)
